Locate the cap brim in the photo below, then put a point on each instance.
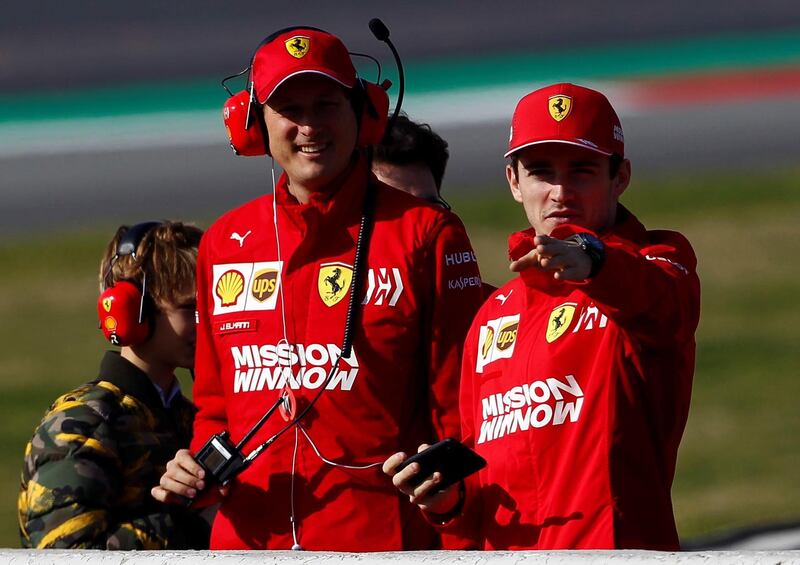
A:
(300, 72)
(564, 141)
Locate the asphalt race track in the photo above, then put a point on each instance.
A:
(86, 45)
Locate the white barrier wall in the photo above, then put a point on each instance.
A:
(75, 557)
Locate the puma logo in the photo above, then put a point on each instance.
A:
(503, 297)
(240, 238)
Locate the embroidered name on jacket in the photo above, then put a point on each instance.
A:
(541, 403)
(275, 366)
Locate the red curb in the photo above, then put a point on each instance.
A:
(721, 86)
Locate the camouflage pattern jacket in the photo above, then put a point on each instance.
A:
(92, 461)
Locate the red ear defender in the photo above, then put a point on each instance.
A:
(375, 114)
(119, 309)
(244, 131)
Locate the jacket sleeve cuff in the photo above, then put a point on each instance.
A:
(449, 517)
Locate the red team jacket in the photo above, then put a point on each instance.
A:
(577, 396)
(396, 390)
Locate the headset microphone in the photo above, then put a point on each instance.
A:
(381, 33)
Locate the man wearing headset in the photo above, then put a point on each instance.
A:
(275, 278)
(577, 375)
(98, 449)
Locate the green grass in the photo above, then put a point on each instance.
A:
(739, 458)
(741, 450)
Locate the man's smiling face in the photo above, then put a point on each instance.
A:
(312, 130)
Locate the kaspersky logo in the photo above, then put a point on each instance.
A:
(273, 367)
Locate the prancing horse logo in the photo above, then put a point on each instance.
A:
(334, 282)
(559, 106)
(297, 46)
(560, 319)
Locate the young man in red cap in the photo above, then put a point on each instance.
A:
(274, 283)
(576, 375)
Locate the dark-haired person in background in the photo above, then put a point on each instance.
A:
(412, 158)
(577, 374)
(88, 470)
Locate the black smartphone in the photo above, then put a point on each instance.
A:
(451, 458)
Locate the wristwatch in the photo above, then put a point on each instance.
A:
(593, 247)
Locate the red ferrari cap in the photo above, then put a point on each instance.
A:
(300, 51)
(566, 113)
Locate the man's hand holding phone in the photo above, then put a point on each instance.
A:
(432, 477)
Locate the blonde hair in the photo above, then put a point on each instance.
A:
(167, 254)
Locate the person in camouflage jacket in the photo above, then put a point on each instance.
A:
(89, 467)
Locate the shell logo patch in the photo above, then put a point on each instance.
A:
(496, 340)
(229, 287)
(488, 341)
(107, 302)
(297, 46)
(559, 106)
(334, 282)
(261, 280)
(264, 284)
(110, 323)
(560, 320)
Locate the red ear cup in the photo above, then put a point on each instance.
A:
(374, 116)
(118, 310)
(245, 135)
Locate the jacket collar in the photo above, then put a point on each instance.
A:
(626, 228)
(129, 379)
(339, 206)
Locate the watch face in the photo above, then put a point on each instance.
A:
(593, 242)
(593, 247)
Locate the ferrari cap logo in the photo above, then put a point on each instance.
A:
(107, 303)
(559, 106)
(297, 46)
(334, 282)
(560, 319)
